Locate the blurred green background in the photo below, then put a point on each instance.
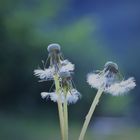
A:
(90, 32)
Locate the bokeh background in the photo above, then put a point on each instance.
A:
(90, 32)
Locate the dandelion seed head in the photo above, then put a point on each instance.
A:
(108, 79)
(54, 48)
(72, 96)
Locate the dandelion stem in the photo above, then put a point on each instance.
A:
(60, 108)
(90, 113)
(65, 115)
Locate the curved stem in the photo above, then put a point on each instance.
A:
(90, 113)
(60, 107)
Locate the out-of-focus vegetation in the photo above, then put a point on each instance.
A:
(27, 128)
(90, 33)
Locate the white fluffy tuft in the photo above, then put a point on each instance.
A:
(66, 66)
(44, 94)
(122, 87)
(94, 80)
(46, 74)
(72, 97)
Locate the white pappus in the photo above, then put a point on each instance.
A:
(108, 79)
(72, 96)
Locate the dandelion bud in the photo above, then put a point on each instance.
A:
(111, 66)
(54, 48)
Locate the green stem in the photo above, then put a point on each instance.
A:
(65, 115)
(90, 113)
(60, 108)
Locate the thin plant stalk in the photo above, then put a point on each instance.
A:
(66, 115)
(60, 107)
(90, 113)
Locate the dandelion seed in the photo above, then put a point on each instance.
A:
(73, 96)
(66, 66)
(46, 74)
(44, 94)
(95, 80)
